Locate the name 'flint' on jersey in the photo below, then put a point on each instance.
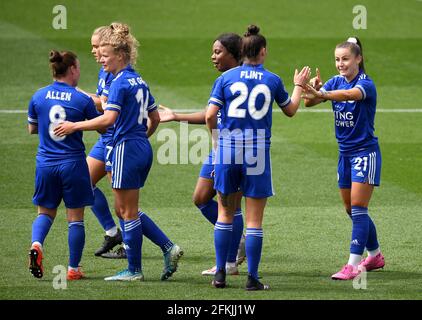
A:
(57, 95)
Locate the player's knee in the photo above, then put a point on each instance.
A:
(200, 198)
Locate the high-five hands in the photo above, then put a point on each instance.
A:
(301, 78)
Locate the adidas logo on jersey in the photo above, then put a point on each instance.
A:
(108, 163)
(355, 242)
(360, 174)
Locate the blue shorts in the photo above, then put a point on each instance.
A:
(208, 167)
(253, 179)
(102, 151)
(69, 181)
(363, 167)
(131, 162)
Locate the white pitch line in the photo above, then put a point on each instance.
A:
(311, 110)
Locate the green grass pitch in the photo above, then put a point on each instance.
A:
(306, 229)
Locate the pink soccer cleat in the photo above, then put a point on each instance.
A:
(348, 272)
(372, 263)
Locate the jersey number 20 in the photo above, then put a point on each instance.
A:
(234, 110)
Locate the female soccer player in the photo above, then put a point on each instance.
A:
(226, 54)
(244, 96)
(129, 105)
(354, 99)
(61, 169)
(98, 159)
(99, 163)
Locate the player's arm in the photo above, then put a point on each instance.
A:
(99, 123)
(153, 122)
(32, 128)
(300, 80)
(97, 100)
(211, 121)
(167, 114)
(353, 94)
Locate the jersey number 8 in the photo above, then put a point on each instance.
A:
(234, 110)
(57, 115)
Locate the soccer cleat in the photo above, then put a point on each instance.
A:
(372, 263)
(348, 272)
(219, 279)
(241, 252)
(35, 261)
(75, 275)
(119, 253)
(253, 284)
(231, 271)
(171, 259)
(109, 243)
(126, 275)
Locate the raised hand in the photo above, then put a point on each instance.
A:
(316, 81)
(64, 129)
(301, 78)
(166, 114)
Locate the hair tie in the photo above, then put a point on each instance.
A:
(352, 40)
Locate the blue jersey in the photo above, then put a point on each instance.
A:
(48, 107)
(245, 96)
(354, 120)
(131, 98)
(103, 87)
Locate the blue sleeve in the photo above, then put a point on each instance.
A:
(217, 94)
(329, 85)
(151, 106)
(367, 87)
(32, 113)
(90, 110)
(116, 97)
(281, 96)
(106, 90)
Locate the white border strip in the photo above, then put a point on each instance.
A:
(311, 110)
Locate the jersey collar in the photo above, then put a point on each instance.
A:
(257, 66)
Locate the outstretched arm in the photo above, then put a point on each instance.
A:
(353, 94)
(99, 123)
(167, 114)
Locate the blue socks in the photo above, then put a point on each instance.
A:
(222, 239)
(210, 211)
(101, 210)
(76, 240)
(253, 246)
(372, 242)
(154, 233)
(360, 230)
(236, 235)
(40, 227)
(133, 244)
